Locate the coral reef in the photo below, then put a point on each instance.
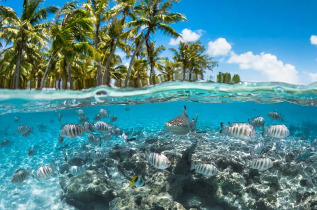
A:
(289, 184)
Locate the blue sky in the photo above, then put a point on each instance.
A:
(263, 40)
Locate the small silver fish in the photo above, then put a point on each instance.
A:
(89, 127)
(239, 130)
(24, 130)
(159, 161)
(103, 127)
(19, 176)
(45, 172)
(275, 116)
(97, 117)
(258, 148)
(77, 170)
(181, 125)
(80, 113)
(60, 117)
(261, 164)
(137, 181)
(257, 121)
(72, 131)
(204, 169)
(103, 113)
(94, 140)
(276, 131)
(4, 142)
(113, 118)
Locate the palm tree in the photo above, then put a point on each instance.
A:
(153, 15)
(182, 56)
(154, 59)
(97, 9)
(20, 31)
(170, 68)
(123, 7)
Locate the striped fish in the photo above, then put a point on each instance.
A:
(72, 130)
(181, 125)
(137, 181)
(258, 148)
(159, 161)
(275, 116)
(45, 172)
(239, 130)
(80, 113)
(19, 176)
(257, 121)
(89, 127)
(94, 140)
(276, 131)
(98, 155)
(261, 164)
(103, 127)
(77, 170)
(204, 169)
(24, 130)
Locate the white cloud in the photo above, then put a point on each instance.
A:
(268, 64)
(312, 76)
(218, 47)
(187, 35)
(313, 39)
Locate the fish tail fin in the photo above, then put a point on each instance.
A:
(224, 128)
(265, 129)
(192, 166)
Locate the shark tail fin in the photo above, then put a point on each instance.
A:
(185, 111)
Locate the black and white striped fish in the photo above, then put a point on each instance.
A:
(72, 130)
(159, 161)
(243, 131)
(258, 148)
(45, 172)
(24, 130)
(94, 140)
(98, 155)
(275, 116)
(181, 125)
(276, 131)
(257, 121)
(103, 127)
(204, 169)
(19, 176)
(89, 127)
(77, 170)
(261, 164)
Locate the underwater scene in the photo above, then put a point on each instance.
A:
(172, 146)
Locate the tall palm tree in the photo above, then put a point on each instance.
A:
(181, 56)
(98, 10)
(170, 68)
(25, 29)
(153, 15)
(154, 59)
(125, 8)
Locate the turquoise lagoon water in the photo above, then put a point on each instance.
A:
(142, 114)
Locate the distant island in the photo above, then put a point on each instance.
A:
(77, 48)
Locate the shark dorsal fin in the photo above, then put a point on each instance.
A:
(185, 111)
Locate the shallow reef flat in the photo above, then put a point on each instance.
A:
(290, 184)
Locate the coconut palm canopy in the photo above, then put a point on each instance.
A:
(78, 48)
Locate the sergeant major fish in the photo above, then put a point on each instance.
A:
(24, 130)
(261, 164)
(45, 172)
(94, 140)
(80, 113)
(239, 130)
(257, 121)
(19, 176)
(137, 181)
(275, 116)
(258, 148)
(77, 170)
(89, 127)
(159, 161)
(204, 169)
(276, 131)
(72, 130)
(103, 127)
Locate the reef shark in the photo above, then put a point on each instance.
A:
(182, 125)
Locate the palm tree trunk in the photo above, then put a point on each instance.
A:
(133, 58)
(98, 79)
(69, 76)
(64, 78)
(184, 73)
(17, 67)
(190, 75)
(48, 67)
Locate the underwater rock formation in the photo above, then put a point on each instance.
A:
(289, 184)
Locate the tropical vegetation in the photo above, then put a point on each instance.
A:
(226, 78)
(84, 45)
